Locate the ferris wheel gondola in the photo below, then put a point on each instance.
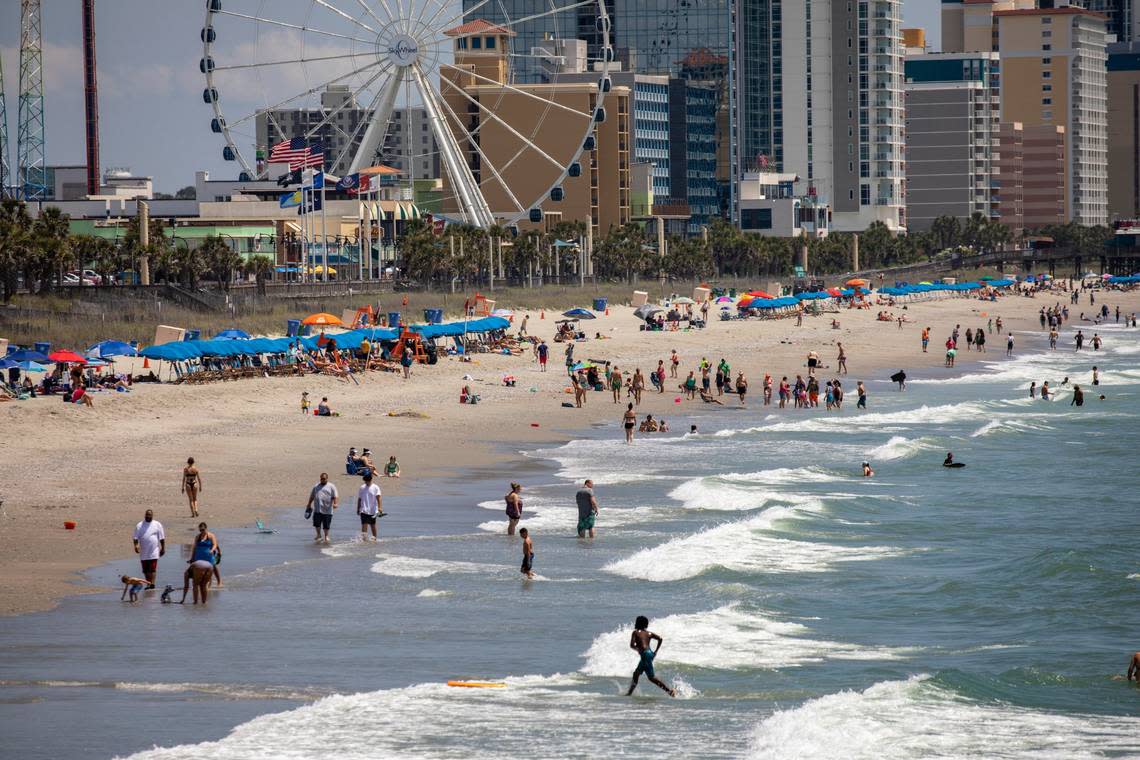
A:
(338, 72)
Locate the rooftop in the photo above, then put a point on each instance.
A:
(478, 26)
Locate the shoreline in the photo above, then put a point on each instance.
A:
(104, 466)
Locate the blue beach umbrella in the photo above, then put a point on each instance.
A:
(110, 348)
(579, 314)
(28, 355)
(232, 334)
(31, 366)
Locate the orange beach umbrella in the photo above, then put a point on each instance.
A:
(856, 283)
(323, 319)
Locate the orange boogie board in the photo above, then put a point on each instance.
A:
(477, 684)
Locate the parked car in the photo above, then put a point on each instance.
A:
(74, 278)
(95, 277)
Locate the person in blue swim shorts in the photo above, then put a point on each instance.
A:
(642, 641)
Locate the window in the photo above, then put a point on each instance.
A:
(756, 218)
(462, 43)
(1046, 19)
(1046, 115)
(865, 195)
(1046, 88)
(1046, 74)
(476, 43)
(490, 45)
(1046, 101)
(1046, 61)
(1047, 33)
(1046, 47)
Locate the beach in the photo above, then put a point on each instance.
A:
(806, 610)
(102, 467)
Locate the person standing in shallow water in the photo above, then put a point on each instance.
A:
(629, 421)
(514, 507)
(641, 641)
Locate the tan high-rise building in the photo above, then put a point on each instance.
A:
(1124, 131)
(527, 133)
(1052, 74)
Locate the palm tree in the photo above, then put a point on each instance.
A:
(221, 260)
(259, 267)
(15, 234)
(51, 233)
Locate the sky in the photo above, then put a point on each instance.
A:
(152, 117)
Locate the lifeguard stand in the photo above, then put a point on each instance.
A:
(479, 306)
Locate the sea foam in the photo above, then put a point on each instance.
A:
(915, 718)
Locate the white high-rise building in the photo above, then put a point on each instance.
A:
(837, 119)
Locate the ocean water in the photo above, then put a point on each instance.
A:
(807, 612)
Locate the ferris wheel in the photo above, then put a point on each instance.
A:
(496, 102)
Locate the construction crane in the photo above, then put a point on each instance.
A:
(31, 182)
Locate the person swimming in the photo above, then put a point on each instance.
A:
(867, 471)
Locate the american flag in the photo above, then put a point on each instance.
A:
(298, 153)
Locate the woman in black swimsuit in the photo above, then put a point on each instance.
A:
(514, 508)
(630, 420)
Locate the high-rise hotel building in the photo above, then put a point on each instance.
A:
(833, 74)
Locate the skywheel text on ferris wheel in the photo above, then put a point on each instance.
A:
(267, 61)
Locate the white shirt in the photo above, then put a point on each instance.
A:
(149, 535)
(369, 497)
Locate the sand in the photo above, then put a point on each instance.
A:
(103, 467)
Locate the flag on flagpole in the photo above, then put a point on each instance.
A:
(292, 178)
(298, 153)
(353, 184)
(314, 180)
(290, 200)
(310, 202)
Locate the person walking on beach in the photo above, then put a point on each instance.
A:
(980, 340)
(323, 501)
(861, 392)
(1009, 345)
(527, 568)
(191, 485)
(629, 421)
(741, 386)
(1079, 339)
(925, 338)
(368, 506)
(150, 544)
(638, 385)
(641, 641)
(543, 354)
(674, 362)
(587, 509)
(842, 359)
(406, 362)
(522, 327)
(615, 383)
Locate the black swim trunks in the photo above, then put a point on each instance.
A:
(528, 563)
(321, 520)
(367, 519)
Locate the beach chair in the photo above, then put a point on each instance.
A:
(262, 528)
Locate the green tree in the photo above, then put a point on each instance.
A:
(51, 239)
(259, 266)
(15, 243)
(947, 232)
(219, 259)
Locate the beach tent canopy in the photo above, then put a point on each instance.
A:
(684, 301)
(646, 311)
(65, 356)
(6, 363)
(322, 319)
(760, 294)
(231, 334)
(579, 314)
(455, 329)
(110, 348)
(724, 299)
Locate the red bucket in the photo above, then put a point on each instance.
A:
(69, 524)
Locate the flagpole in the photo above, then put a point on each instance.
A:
(324, 232)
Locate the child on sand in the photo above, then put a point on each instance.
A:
(527, 568)
(132, 586)
(642, 642)
(305, 402)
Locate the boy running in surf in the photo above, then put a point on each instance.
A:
(642, 641)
